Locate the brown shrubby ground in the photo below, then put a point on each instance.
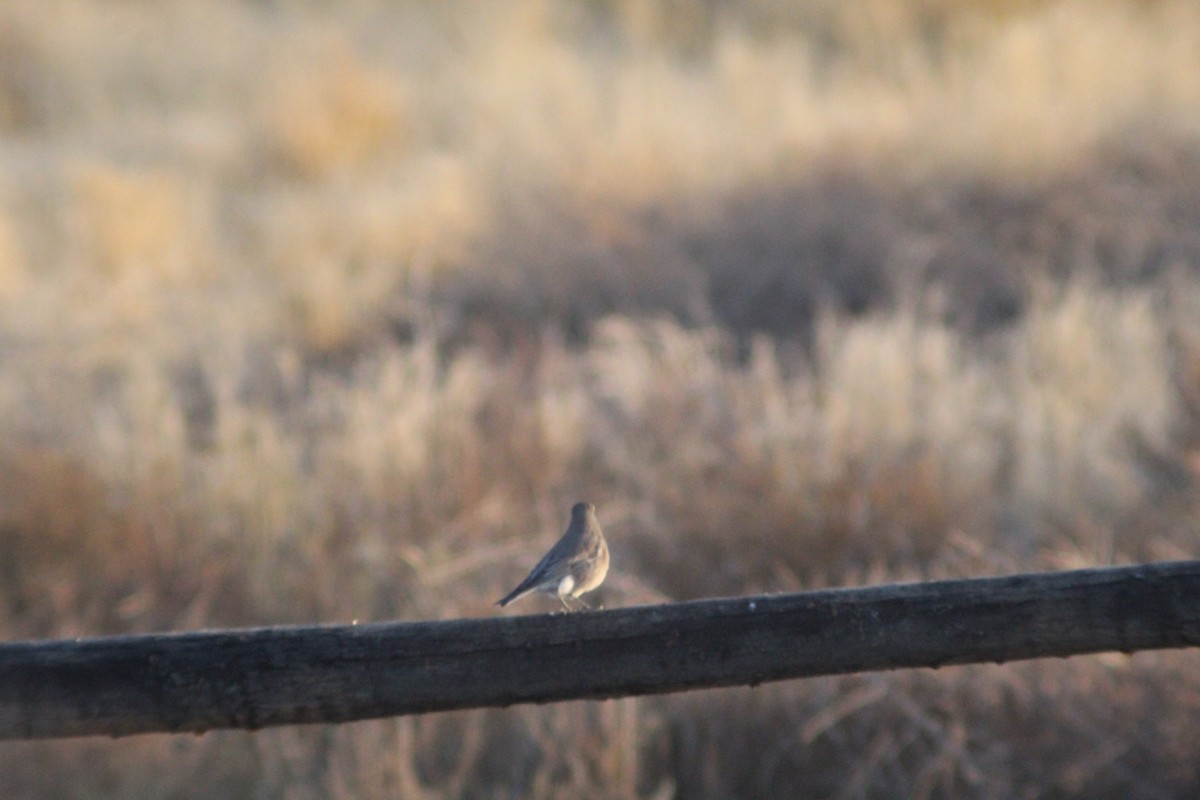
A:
(323, 312)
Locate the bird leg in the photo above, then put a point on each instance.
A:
(581, 604)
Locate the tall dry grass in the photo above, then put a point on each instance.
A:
(321, 313)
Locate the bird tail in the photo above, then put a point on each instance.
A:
(525, 587)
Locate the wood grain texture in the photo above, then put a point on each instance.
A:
(279, 676)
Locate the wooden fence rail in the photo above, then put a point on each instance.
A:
(280, 676)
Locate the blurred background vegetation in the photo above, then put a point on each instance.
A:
(320, 312)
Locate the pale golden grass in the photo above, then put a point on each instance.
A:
(325, 113)
(329, 312)
(1015, 94)
(14, 270)
(406, 141)
(346, 260)
(1091, 372)
(368, 496)
(130, 222)
(658, 415)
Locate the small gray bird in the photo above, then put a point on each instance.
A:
(576, 564)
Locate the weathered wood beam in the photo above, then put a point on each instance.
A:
(286, 675)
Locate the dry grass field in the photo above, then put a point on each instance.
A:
(313, 312)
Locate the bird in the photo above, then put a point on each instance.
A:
(577, 563)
